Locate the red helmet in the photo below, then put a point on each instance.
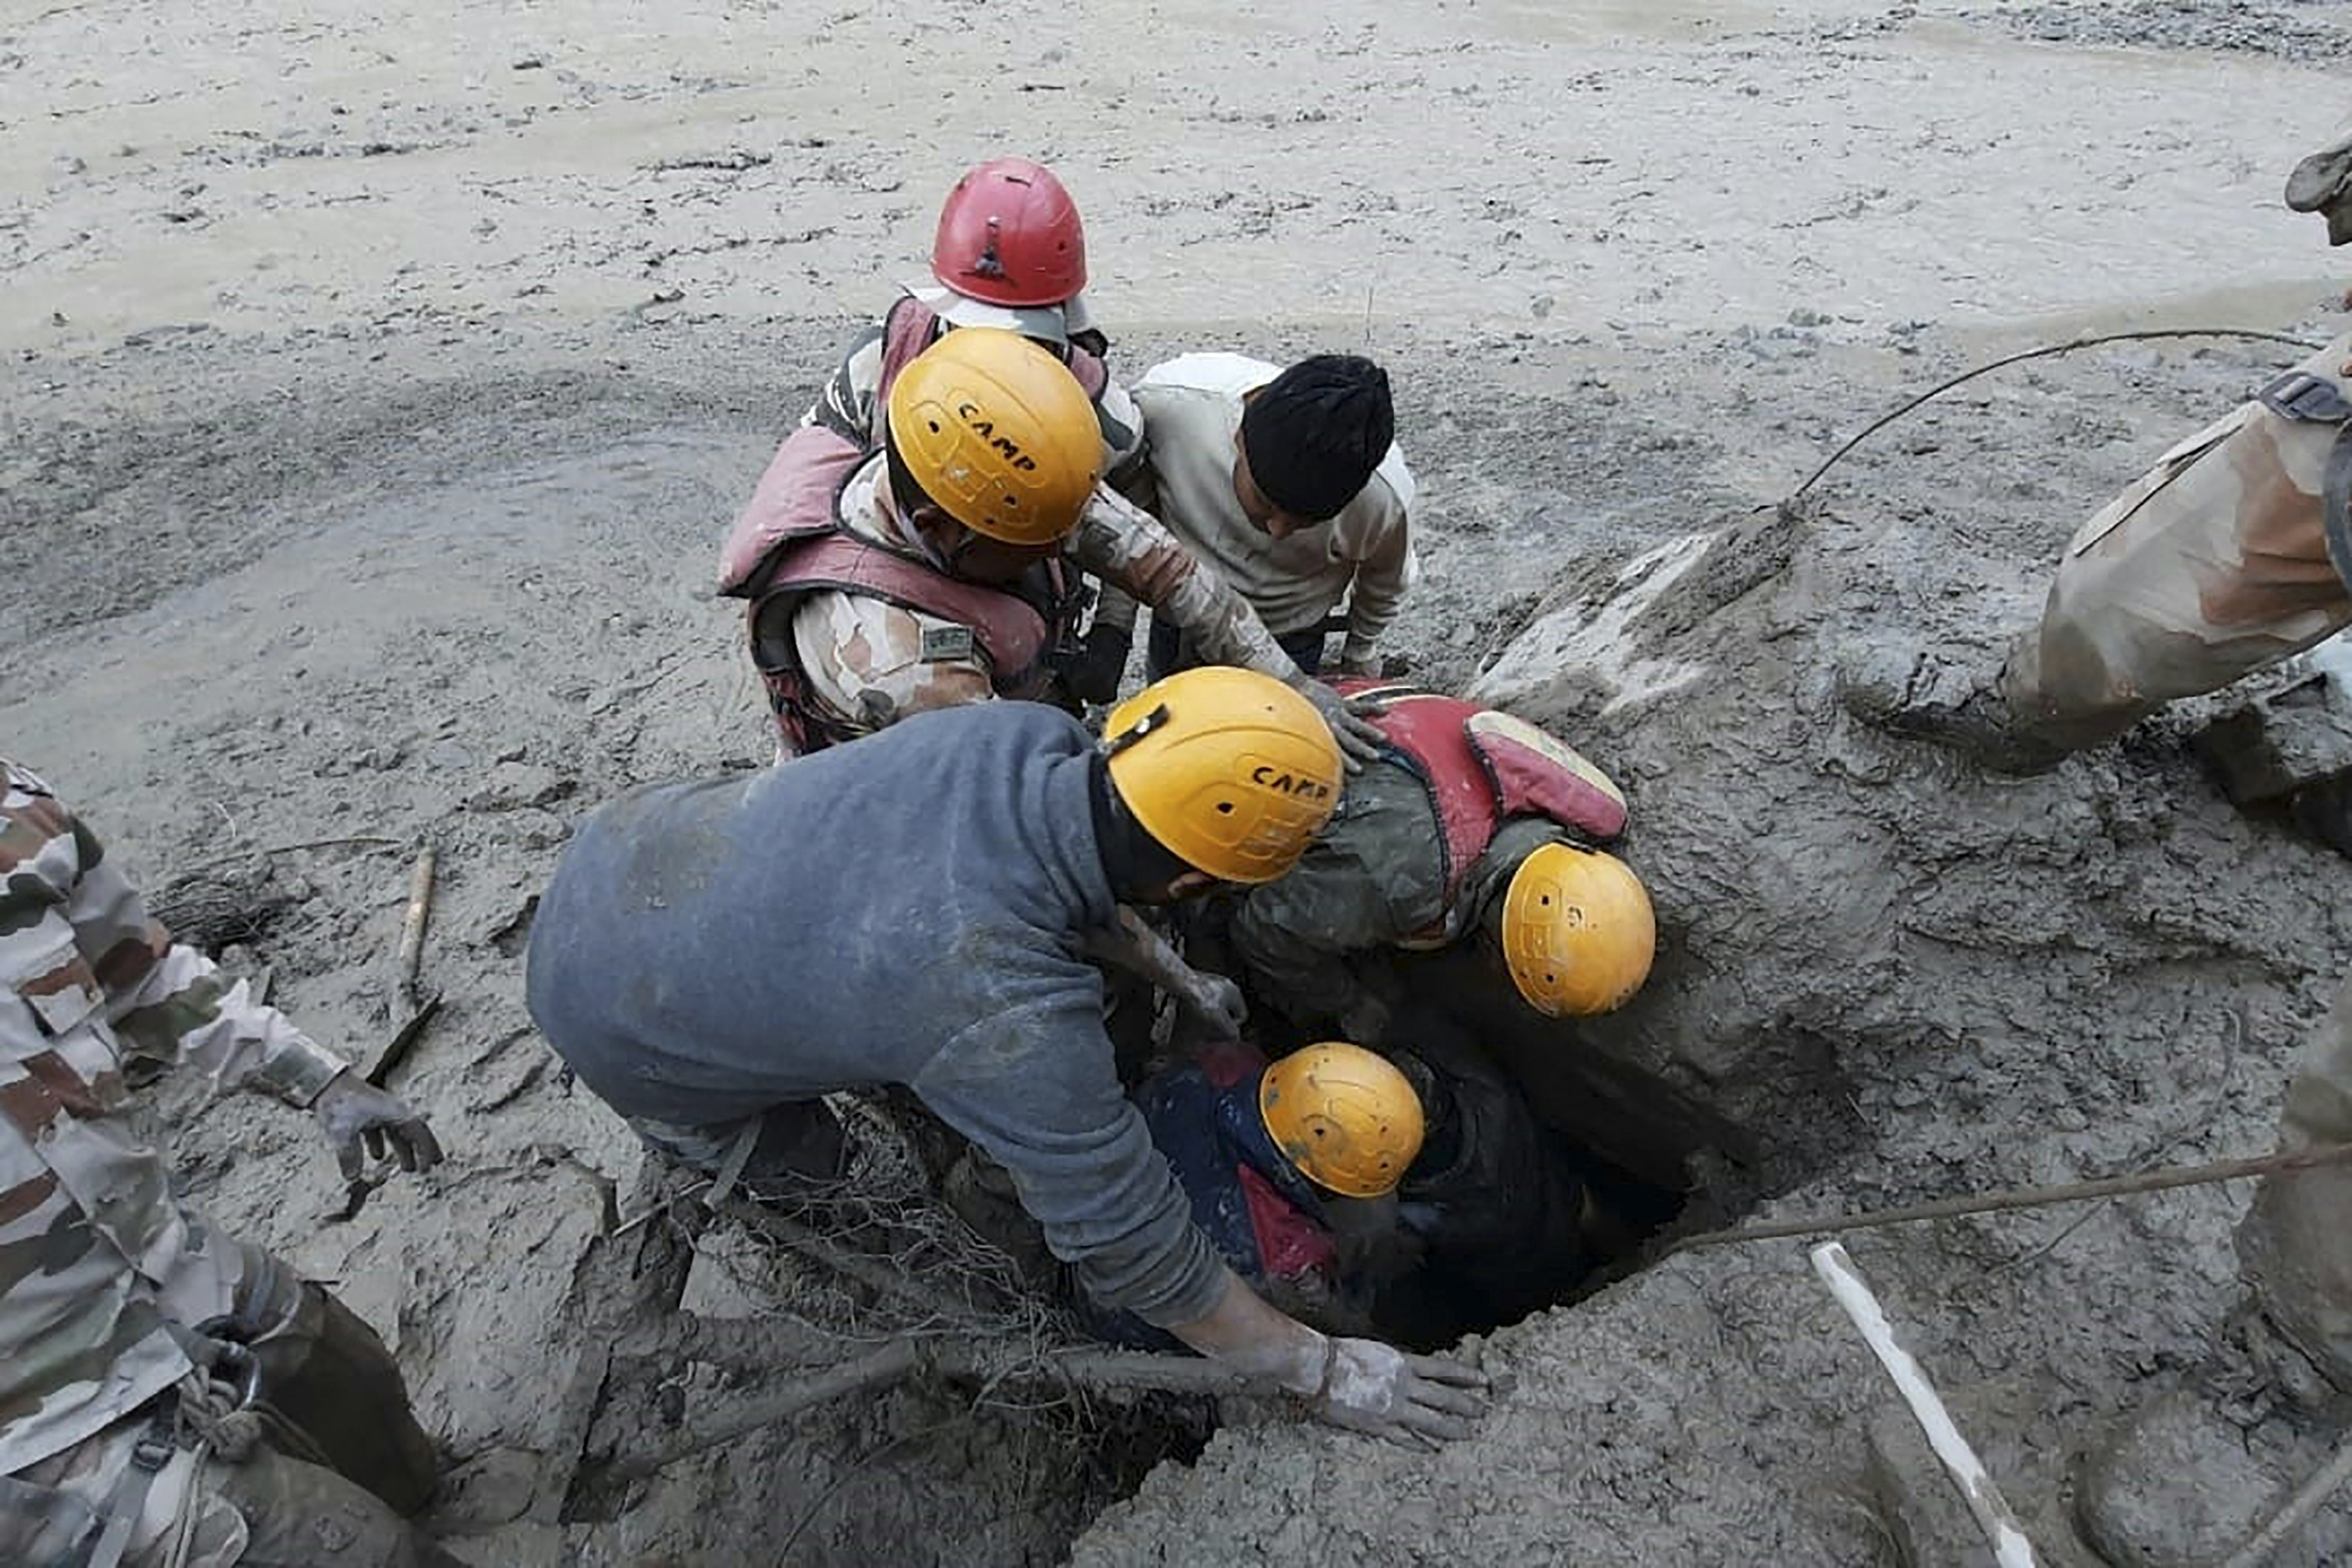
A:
(1010, 235)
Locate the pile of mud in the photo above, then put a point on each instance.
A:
(1883, 978)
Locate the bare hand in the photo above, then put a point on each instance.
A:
(364, 1123)
(1419, 1401)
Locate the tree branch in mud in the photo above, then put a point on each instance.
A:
(986, 1362)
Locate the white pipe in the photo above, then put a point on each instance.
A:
(2011, 1549)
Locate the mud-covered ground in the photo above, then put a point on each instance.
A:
(379, 382)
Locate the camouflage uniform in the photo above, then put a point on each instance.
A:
(847, 406)
(2214, 565)
(99, 1261)
(872, 663)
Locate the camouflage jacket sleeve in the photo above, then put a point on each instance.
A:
(1122, 431)
(164, 1001)
(1133, 552)
(846, 406)
(872, 664)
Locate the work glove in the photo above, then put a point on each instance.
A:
(1217, 1003)
(1362, 659)
(1093, 675)
(1419, 1401)
(363, 1122)
(1359, 742)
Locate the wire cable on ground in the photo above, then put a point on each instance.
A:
(2046, 351)
(2156, 1180)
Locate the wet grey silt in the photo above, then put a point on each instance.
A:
(1900, 980)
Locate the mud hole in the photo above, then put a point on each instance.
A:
(378, 385)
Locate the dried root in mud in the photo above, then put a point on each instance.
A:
(870, 1283)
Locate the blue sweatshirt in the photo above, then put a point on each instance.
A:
(906, 909)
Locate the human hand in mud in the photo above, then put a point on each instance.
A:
(363, 1122)
(1217, 1003)
(1360, 741)
(1419, 1401)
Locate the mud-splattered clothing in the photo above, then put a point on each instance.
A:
(870, 662)
(1375, 880)
(846, 403)
(913, 909)
(96, 1253)
(1501, 1211)
(1264, 1218)
(1191, 409)
(2296, 1243)
(323, 1370)
(2214, 565)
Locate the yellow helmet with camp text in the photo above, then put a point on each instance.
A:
(1232, 771)
(1578, 930)
(999, 433)
(1344, 1116)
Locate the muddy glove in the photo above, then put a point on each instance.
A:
(359, 1117)
(1093, 675)
(1359, 742)
(1360, 658)
(1217, 1003)
(1419, 1401)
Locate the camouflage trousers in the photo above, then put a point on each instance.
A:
(2212, 566)
(2296, 1245)
(342, 1460)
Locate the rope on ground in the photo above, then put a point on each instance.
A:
(2045, 351)
(2156, 1180)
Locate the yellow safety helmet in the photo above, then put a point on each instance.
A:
(999, 432)
(1578, 930)
(1232, 771)
(1344, 1116)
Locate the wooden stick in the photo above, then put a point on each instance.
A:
(985, 1360)
(2027, 1197)
(2308, 1500)
(2011, 1549)
(412, 929)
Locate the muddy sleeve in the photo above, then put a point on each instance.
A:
(1374, 879)
(1383, 572)
(1032, 1082)
(845, 405)
(1132, 550)
(1296, 940)
(169, 1003)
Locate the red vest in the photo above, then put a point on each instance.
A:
(1481, 767)
(788, 543)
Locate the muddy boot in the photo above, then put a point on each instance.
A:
(2193, 1473)
(1920, 697)
(2184, 1479)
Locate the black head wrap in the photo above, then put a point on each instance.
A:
(1314, 433)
